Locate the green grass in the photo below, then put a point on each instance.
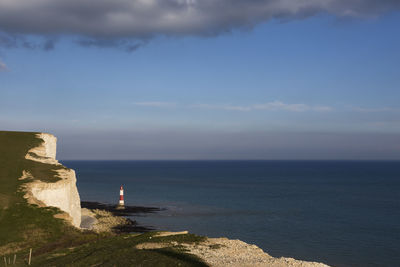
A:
(23, 225)
(121, 251)
(115, 251)
(56, 243)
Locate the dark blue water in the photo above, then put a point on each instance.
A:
(339, 213)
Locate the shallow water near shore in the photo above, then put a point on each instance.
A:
(337, 212)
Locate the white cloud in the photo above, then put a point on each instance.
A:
(3, 66)
(381, 109)
(277, 105)
(322, 108)
(270, 106)
(223, 107)
(156, 104)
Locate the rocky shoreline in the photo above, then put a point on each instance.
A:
(221, 252)
(216, 252)
(126, 211)
(101, 217)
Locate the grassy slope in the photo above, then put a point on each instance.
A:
(121, 251)
(23, 225)
(55, 243)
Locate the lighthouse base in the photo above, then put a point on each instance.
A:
(120, 207)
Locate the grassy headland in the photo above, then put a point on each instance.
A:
(55, 242)
(22, 225)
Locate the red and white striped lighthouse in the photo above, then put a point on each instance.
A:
(121, 196)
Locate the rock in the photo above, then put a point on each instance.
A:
(171, 233)
(107, 222)
(88, 219)
(219, 252)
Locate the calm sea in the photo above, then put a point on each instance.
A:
(337, 212)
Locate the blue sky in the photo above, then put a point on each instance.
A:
(321, 87)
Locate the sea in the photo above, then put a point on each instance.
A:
(342, 213)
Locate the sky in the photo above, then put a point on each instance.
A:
(229, 79)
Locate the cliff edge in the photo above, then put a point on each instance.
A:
(30, 174)
(63, 193)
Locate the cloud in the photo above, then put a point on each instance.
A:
(3, 66)
(277, 105)
(270, 106)
(376, 110)
(156, 104)
(143, 19)
(125, 44)
(20, 41)
(222, 107)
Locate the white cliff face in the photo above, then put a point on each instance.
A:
(46, 152)
(62, 194)
(48, 147)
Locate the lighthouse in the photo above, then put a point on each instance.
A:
(121, 197)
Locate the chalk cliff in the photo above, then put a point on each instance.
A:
(63, 193)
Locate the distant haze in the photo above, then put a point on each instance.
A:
(191, 145)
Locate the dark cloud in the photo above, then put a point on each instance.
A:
(8, 41)
(18, 40)
(124, 44)
(48, 45)
(100, 20)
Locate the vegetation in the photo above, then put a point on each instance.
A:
(121, 251)
(21, 223)
(25, 226)
(56, 243)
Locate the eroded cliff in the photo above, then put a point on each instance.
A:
(62, 193)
